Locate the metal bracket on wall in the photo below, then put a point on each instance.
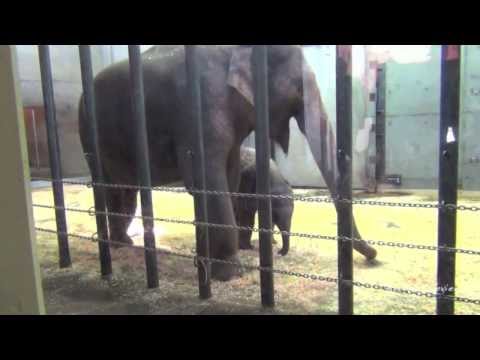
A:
(380, 120)
(393, 180)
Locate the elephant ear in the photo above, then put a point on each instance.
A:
(240, 72)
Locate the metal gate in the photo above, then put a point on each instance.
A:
(448, 137)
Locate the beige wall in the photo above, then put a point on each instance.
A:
(20, 282)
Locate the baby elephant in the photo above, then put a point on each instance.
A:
(246, 208)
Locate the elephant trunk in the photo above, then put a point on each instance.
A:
(314, 124)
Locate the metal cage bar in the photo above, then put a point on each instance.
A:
(198, 167)
(143, 161)
(262, 146)
(94, 158)
(344, 184)
(448, 169)
(54, 154)
(448, 174)
(381, 113)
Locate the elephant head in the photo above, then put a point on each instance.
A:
(293, 93)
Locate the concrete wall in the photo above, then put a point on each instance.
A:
(67, 88)
(413, 118)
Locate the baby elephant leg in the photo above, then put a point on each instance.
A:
(283, 220)
(245, 218)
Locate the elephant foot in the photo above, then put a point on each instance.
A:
(121, 241)
(226, 271)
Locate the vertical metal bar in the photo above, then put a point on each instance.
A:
(143, 162)
(380, 123)
(112, 56)
(94, 158)
(262, 146)
(344, 185)
(198, 165)
(35, 140)
(448, 174)
(54, 154)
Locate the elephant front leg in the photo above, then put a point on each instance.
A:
(223, 238)
(122, 202)
(283, 220)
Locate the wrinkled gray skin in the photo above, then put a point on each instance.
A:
(228, 118)
(246, 208)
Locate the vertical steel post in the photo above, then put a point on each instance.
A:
(35, 137)
(54, 154)
(448, 174)
(344, 184)
(380, 123)
(94, 158)
(262, 147)
(143, 162)
(198, 166)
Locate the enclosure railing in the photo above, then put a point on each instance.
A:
(447, 205)
(94, 159)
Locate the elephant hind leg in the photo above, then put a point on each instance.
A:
(121, 201)
(283, 220)
(245, 218)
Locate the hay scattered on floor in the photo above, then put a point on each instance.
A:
(80, 290)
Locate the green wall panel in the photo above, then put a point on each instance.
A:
(413, 116)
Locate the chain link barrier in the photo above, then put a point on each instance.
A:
(92, 212)
(309, 199)
(313, 277)
(301, 198)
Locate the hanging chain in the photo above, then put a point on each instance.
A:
(92, 212)
(301, 198)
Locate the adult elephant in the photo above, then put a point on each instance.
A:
(228, 116)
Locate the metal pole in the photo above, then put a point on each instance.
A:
(143, 161)
(262, 147)
(54, 154)
(344, 185)
(35, 137)
(94, 158)
(448, 174)
(198, 165)
(380, 123)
